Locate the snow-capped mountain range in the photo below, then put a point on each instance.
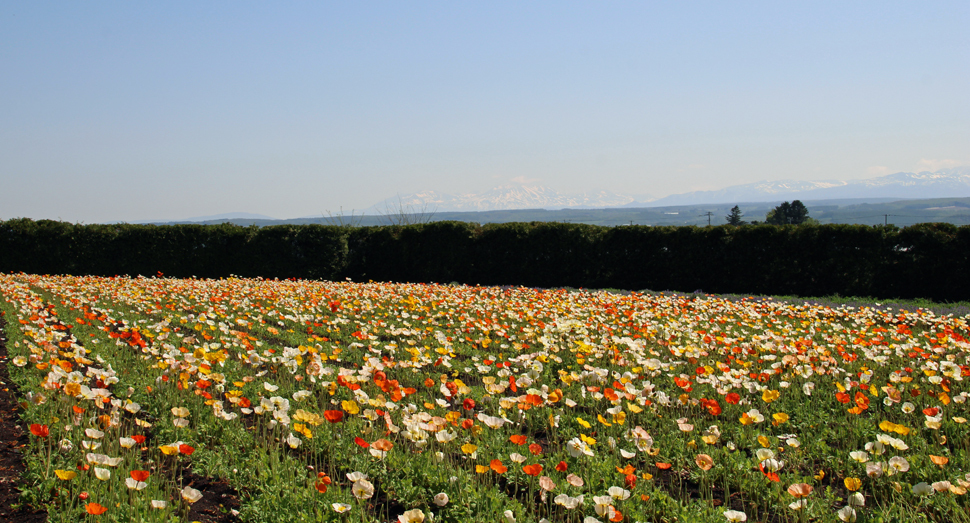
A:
(501, 198)
(943, 183)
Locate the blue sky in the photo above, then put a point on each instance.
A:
(125, 111)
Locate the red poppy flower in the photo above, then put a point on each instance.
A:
(630, 480)
(535, 449)
(41, 431)
(138, 438)
(333, 416)
(361, 442)
(712, 406)
(467, 424)
(468, 404)
(733, 398)
(139, 475)
(186, 449)
(562, 466)
(773, 476)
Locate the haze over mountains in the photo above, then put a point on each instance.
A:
(944, 183)
(954, 182)
(502, 198)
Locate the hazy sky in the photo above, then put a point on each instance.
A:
(163, 110)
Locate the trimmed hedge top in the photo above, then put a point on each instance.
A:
(921, 261)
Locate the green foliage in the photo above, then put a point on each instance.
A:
(794, 213)
(734, 218)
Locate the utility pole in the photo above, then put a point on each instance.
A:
(708, 214)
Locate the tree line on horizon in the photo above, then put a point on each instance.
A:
(794, 213)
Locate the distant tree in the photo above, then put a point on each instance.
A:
(735, 217)
(793, 213)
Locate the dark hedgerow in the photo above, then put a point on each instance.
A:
(921, 261)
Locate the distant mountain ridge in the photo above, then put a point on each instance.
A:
(943, 183)
(953, 182)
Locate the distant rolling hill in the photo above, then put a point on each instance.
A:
(860, 211)
(942, 183)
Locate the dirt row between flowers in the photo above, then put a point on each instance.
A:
(13, 438)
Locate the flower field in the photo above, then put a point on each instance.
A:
(341, 401)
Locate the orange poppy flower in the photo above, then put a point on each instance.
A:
(704, 461)
(939, 460)
(532, 470)
(323, 481)
(800, 490)
(535, 449)
(498, 467)
(186, 449)
(518, 439)
(663, 466)
(41, 431)
(562, 466)
(95, 509)
(361, 442)
(383, 445)
(333, 416)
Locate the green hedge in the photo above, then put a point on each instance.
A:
(922, 261)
